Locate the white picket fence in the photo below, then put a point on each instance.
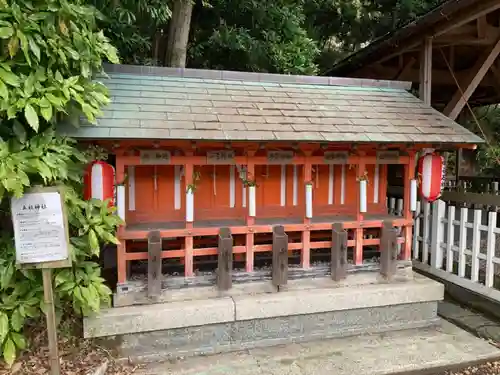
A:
(459, 245)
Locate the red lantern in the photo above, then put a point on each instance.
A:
(432, 174)
(99, 182)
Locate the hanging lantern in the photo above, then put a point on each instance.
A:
(99, 182)
(431, 170)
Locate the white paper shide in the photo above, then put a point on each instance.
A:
(39, 228)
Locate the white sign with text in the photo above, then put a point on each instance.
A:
(39, 228)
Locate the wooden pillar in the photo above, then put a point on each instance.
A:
(306, 234)
(188, 240)
(280, 256)
(425, 83)
(250, 219)
(339, 252)
(388, 250)
(121, 249)
(358, 250)
(225, 259)
(409, 174)
(154, 264)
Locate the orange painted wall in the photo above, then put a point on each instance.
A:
(212, 201)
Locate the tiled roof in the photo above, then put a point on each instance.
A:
(163, 103)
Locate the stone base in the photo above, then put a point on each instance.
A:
(227, 337)
(229, 323)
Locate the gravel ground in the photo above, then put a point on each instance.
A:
(488, 368)
(77, 357)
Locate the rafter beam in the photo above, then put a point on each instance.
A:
(482, 27)
(439, 76)
(463, 94)
(406, 69)
(462, 18)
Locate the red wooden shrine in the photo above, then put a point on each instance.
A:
(196, 151)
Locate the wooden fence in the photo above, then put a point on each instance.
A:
(455, 239)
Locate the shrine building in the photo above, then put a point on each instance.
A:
(256, 199)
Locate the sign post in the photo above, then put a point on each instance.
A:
(42, 241)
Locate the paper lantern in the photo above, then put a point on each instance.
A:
(99, 182)
(431, 170)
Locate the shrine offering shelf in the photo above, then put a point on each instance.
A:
(262, 225)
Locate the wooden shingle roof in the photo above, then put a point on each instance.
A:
(167, 103)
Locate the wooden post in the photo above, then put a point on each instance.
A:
(280, 256)
(154, 264)
(50, 313)
(225, 259)
(358, 250)
(188, 241)
(250, 219)
(121, 249)
(425, 82)
(409, 174)
(306, 234)
(388, 250)
(339, 252)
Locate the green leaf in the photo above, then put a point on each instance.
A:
(108, 237)
(74, 55)
(104, 290)
(31, 116)
(4, 92)
(58, 102)
(19, 131)
(9, 352)
(9, 77)
(63, 277)
(85, 69)
(6, 276)
(46, 112)
(93, 241)
(6, 32)
(17, 320)
(34, 48)
(24, 45)
(19, 340)
(4, 326)
(13, 46)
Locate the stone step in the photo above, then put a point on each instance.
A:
(437, 348)
(216, 325)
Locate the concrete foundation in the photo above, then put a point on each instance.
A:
(304, 312)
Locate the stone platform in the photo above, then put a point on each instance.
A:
(418, 351)
(307, 310)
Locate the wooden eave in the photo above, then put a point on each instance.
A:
(461, 33)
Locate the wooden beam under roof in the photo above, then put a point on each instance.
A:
(475, 77)
(462, 18)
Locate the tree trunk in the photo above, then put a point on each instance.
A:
(178, 34)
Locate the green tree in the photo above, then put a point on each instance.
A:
(252, 35)
(133, 26)
(49, 52)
